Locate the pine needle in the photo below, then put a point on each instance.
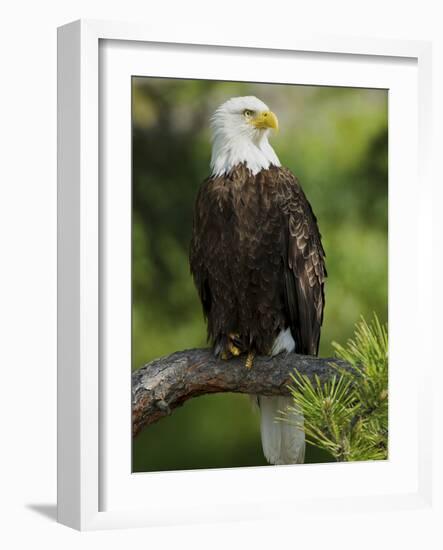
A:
(348, 416)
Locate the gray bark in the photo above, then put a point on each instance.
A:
(166, 383)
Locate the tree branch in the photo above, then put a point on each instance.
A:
(166, 383)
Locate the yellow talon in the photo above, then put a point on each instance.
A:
(224, 356)
(232, 347)
(250, 360)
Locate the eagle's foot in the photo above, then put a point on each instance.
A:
(232, 347)
(250, 360)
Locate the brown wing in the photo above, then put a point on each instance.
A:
(210, 248)
(197, 249)
(304, 266)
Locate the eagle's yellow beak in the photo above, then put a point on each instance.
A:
(265, 119)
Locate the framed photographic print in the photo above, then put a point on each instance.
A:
(227, 217)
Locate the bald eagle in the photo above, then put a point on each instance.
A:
(257, 259)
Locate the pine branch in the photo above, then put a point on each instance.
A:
(348, 415)
(168, 382)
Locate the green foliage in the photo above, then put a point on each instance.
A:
(348, 416)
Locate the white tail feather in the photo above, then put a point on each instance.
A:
(283, 442)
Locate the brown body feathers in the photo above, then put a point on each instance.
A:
(257, 260)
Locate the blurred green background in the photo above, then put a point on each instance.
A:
(336, 141)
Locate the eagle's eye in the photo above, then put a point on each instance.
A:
(247, 113)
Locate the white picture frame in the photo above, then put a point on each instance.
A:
(96, 489)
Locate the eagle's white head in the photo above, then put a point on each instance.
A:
(240, 131)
